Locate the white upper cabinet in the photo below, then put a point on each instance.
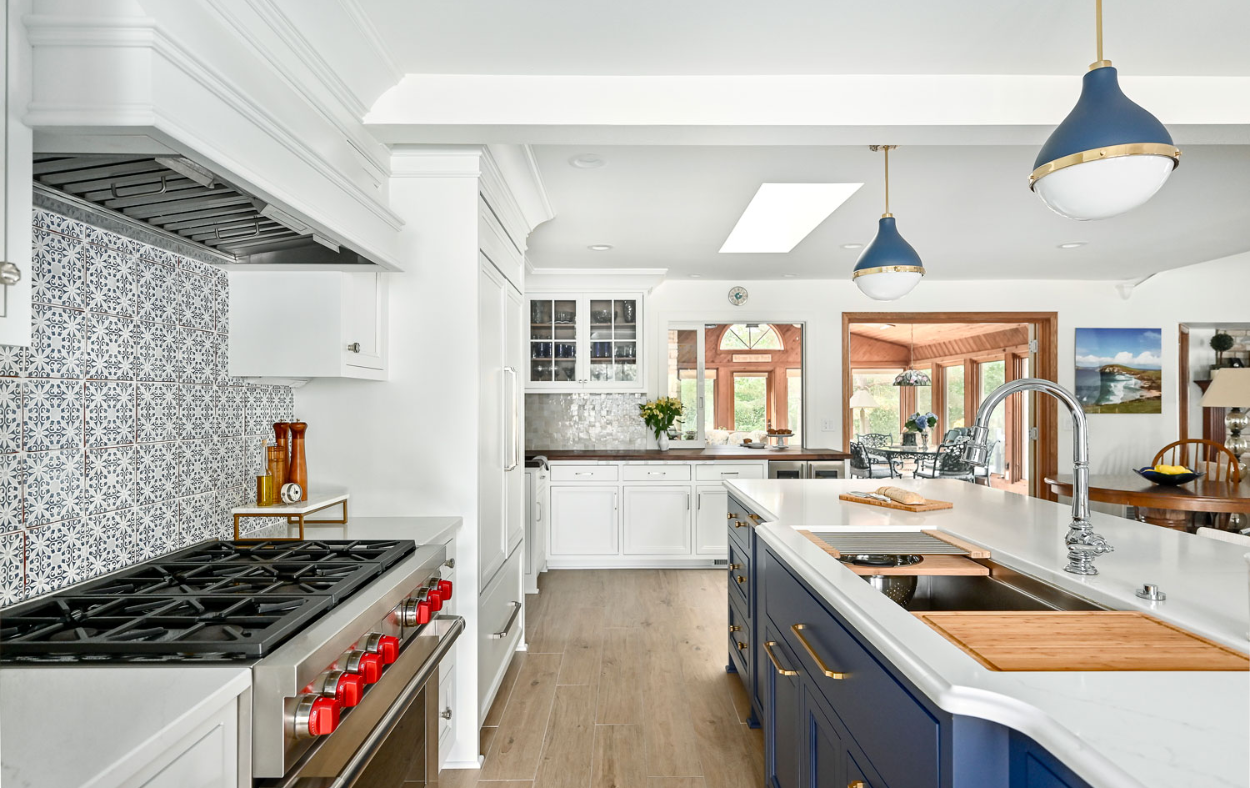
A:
(15, 177)
(585, 342)
(308, 324)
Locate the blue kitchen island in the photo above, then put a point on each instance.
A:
(853, 690)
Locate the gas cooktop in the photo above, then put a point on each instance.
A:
(213, 601)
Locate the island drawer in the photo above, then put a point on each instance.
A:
(657, 473)
(739, 524)
(584, 473)
(739, 575)
(740, 641)
(876, 709)
(725, 471)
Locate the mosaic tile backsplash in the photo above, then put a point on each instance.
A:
(121, 435)
(584, 421)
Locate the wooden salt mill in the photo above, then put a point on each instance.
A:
(282, 431)
(298, 471)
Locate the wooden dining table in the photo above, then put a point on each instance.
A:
(1160, 504)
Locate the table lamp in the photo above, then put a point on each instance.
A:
(863, 400)
(1230, 388)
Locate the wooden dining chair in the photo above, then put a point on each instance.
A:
(1214, 459)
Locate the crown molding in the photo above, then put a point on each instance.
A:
(366, 27)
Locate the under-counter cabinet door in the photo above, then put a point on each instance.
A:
(783, 688)
(711, 507)
(364, 320)
(657, 520)
(207, 757)
(825, 764)
(493, 433)
(583, 520)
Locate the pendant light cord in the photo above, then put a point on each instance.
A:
(887, 175)
(1098, 27)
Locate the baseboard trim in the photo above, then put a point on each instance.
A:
(475, 764)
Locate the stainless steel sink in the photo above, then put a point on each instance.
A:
(1002, 589)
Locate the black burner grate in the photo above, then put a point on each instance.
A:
(213, 601)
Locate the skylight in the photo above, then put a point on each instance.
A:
(782, 214)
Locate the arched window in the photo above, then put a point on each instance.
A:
(750, 336)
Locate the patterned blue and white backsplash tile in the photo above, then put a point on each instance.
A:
(122, 437)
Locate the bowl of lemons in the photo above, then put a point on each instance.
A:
(1170, 475)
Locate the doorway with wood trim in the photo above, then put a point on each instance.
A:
(965, 356)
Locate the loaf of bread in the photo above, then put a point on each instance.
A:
(899, 495)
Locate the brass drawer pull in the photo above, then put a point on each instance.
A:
(755, 518)
(735, 628)
(739, 524)
(734, 566)
(733, 515)
(768, 649)
(857, 784)
(797, 629)
(741, 646)
(740, 579)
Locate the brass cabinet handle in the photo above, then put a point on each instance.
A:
(733, 515)
(734, 566)
(797, 629)
(739, 524)
(755, 518)
(741, 646)
(768, 649)
(740, 579)
(735, 628)
(857, 784)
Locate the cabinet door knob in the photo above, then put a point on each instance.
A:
(10, 274)
(735, 628)
(857, 784)
(734, 566)
(740, 579)
(445, 713)
(354, 347)
(733, 515)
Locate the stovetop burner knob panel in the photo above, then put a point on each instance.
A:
(316, 716)
(367, 666)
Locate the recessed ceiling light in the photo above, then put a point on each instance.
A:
(588, 161)
(1072, 245)
(788, 276)
(599, 247)
(695, 276)
(852, 246)
(782, 214)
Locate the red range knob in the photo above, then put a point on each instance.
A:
(423, 612)
(444, 588)
(367, 666)
(388, 648)
(349, 688)
(323, 716)
(435, 599)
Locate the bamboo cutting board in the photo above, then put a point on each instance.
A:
(931, 565)
(927, 506)
(1095, 640)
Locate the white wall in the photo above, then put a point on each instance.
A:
(1214, 291)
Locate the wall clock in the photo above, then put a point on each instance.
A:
(738, 296)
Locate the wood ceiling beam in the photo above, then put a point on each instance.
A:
(973, 345)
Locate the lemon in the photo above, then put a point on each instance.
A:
(1172, 470)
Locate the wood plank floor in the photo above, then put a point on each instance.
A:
(623, 686)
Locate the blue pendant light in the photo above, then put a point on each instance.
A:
(1108, 156)
(889, 267)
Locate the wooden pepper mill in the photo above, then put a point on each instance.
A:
(298, 472)
(282, 431)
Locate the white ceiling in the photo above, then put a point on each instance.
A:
(967, 210)
(642, 37)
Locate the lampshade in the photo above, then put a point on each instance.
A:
(912, 377)
(889, 267)
(863, 399)
(1230, 388)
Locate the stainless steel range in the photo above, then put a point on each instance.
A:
(342, 638)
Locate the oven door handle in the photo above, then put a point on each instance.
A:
(370, 746)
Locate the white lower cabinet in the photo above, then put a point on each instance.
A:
(446, 710)
(583, 520)
(207, 757)
(500, 624)
(711, 507)
(656, 520)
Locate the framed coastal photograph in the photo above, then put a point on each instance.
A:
(1119, 370)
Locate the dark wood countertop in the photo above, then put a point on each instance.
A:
(708, 454)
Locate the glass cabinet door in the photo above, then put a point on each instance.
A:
(553, 340)
(613, 340)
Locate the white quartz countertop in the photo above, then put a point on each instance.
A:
(64, 726)
(1112, 728)
(422, 530)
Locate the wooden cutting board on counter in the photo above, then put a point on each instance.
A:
(927, 506)
(1095, 640)
(933, 564)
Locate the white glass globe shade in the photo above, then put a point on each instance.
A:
(888, 285)
(1104, 188)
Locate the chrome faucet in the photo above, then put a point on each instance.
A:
(1083, 544)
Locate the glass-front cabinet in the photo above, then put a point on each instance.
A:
(585, 342)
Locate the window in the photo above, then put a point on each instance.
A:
(992, 375)
(887, 416)
(953, 381)
(794, 400)
(924, 395)
(750, 336)
(750, 401)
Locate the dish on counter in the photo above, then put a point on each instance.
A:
(1168, 479)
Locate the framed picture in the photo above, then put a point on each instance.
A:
(1119, 370)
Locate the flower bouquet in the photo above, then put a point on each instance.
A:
(660, 415)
